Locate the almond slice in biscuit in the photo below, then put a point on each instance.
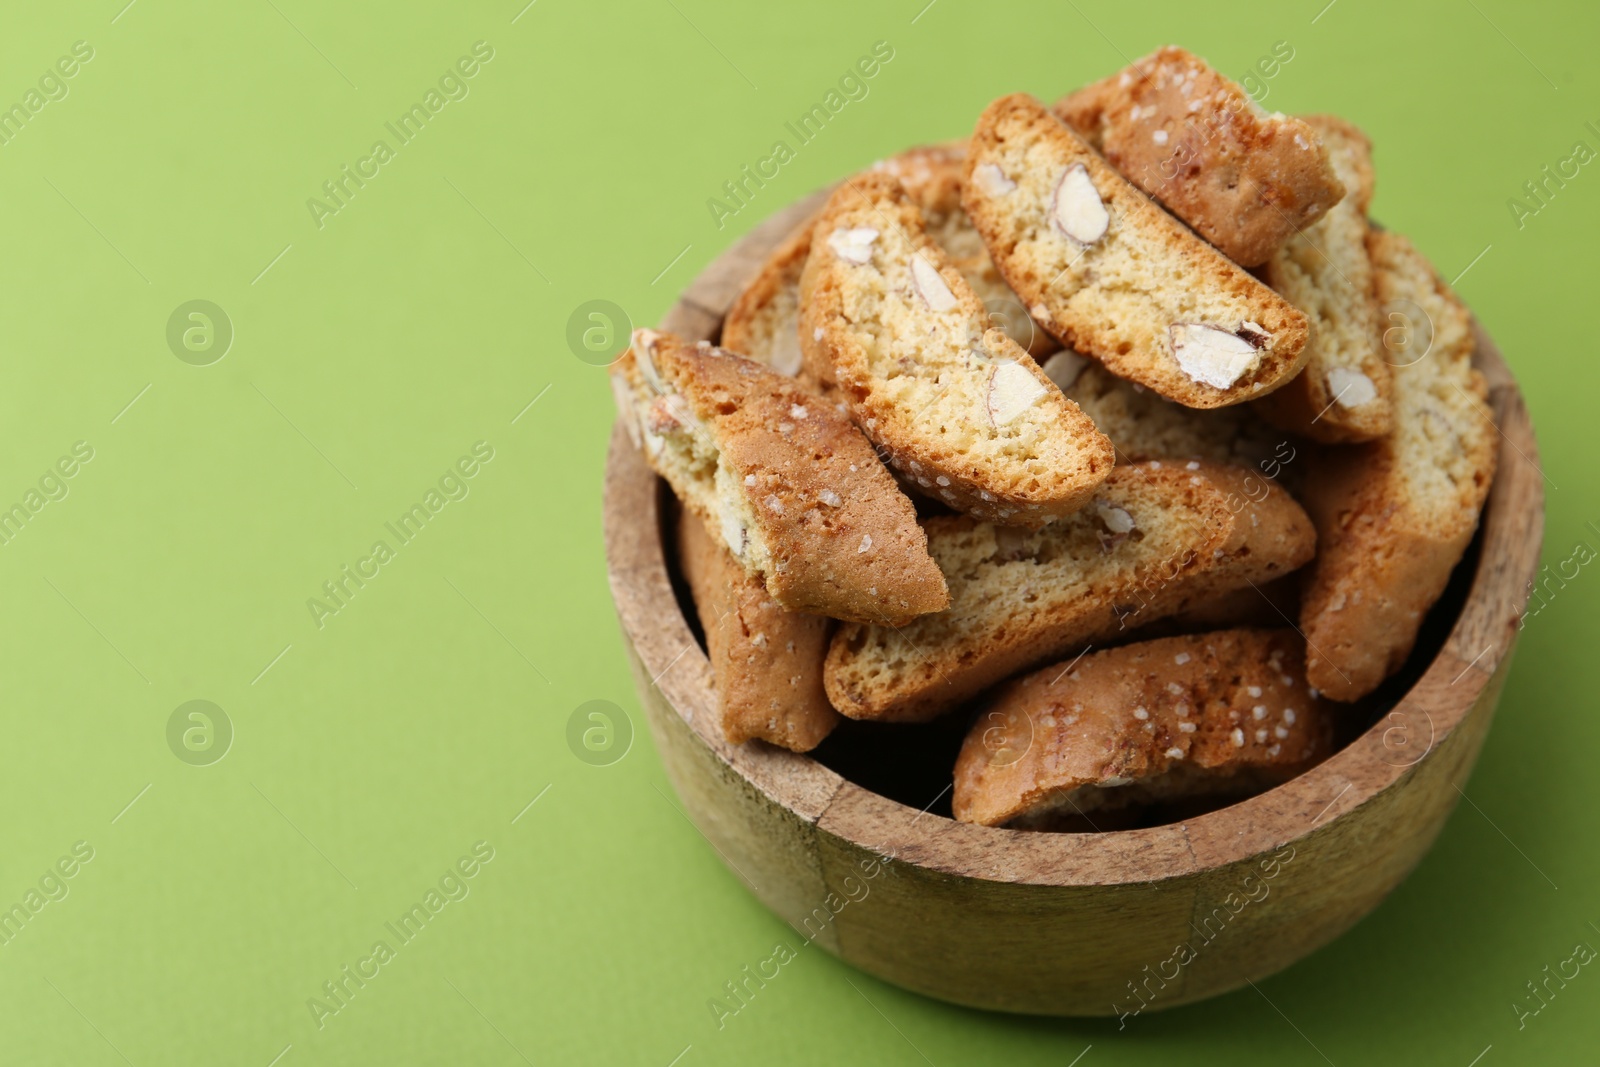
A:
(957, 407)
(1158, 539)
(1114, 277)
(1217, 714)
(791, 486)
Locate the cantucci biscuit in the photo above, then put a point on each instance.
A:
(766, 662)
(1244, 179)
(1157, 540)
(954, 405)
(1395, 515)
(1113, 276)
(1223, 713)
(1346, 392)
(796, 492)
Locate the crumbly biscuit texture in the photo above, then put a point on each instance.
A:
(1246, 180)
(766, 662)
(1395, 515)
(1158, 539)
(1112, 275)
(954, 405)
(797, 494)
(1346, 392)
(1176, 718)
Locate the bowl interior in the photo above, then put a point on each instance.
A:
(908, 763)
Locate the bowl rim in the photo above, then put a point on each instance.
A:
(1474, 658)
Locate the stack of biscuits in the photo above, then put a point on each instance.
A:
(1095, 429)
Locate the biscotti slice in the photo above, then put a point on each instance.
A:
(1144, 425)
(1225, 713)
(1395, 515)
(766, 662)
(764, 322)
(952, 403)
(1158, 539)
(1244, 179)
(1113, 276)
(797, 493)
(1346, 392)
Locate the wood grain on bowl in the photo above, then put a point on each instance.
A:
(1110, 923)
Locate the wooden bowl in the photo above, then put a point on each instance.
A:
(1090, 923)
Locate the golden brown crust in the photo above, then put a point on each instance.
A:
(1196, 141)
(925, 382)
(1158, 540)
(1346, 391)
(797, 492)
(1224, 712)
(1141, 294)
(1395, 515)
(766, 662)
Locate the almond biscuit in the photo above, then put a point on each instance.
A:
(1113, 276)
(766, 662)
(953, 404)
(1244, 179)
(1157, 540)
(796, 492)
(1346, 392)
(1395, 515)
(1225, 713)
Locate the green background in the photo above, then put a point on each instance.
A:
(371, 353)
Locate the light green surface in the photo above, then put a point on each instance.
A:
(370, 754)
